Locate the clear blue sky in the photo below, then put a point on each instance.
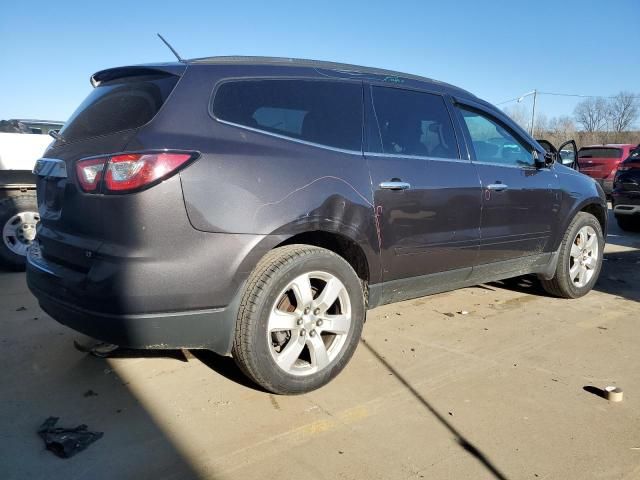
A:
(497, 49)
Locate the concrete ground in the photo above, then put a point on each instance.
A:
(498, 392)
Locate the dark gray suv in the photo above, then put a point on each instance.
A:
(258, 207)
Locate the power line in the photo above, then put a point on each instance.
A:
(508, 101)
(565, 95)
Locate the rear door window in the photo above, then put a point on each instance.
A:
(120, 104)
(599, 153)
(322, 112)
(414, 123)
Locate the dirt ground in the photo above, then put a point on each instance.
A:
(498, 392)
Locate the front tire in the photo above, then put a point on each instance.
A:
(580, 258)
(18, 220)
(300, 319)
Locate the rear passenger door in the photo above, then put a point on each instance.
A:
(427, 197)
(520, 199)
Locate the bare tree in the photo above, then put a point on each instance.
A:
(592, 114)
(556, 130)
(623, 111)
(520, 115)
(542, 125)
(562, 127)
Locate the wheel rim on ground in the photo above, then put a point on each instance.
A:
(309, 323)
(584, 256)
(19, 231)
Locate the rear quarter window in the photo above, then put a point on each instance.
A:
(322, 112)
(120, 104)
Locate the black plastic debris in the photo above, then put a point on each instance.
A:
(66, 442)
(96, 348)
(100, 349)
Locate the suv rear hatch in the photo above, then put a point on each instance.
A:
(124, 100)
(599, 162)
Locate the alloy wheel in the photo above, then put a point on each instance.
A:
(584, 256)
(309, 323)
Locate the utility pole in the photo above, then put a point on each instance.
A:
(533, 111)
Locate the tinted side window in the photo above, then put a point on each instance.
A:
(414, 123)
(493, 143)
(324, 112)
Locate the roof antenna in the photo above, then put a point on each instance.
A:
(180, 59)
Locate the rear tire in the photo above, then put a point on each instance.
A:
(300, 319)
(18, 219)
(580, 260)
(629, 224)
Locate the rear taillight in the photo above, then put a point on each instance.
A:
(90, 173)
(129, 172)
(628, 166)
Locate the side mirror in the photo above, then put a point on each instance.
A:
(547, 159)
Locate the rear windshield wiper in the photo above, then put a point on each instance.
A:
(55, 134)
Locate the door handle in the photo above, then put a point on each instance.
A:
(497, 187)
(395, 185)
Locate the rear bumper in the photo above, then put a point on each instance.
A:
(169, 302)
(626, 210)
(625, 202)
(209, 329)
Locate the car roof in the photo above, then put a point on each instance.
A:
(320, 64)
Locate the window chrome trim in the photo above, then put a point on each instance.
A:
(50, 167)
(285, 137)
(416, 157)
(506, 165)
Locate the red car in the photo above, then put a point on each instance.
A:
(601, 162)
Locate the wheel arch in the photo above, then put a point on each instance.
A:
(600, 212)
(595, 206)
(356, 247)
(342, 245)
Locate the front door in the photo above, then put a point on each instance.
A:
(520, 199)
(427, 197)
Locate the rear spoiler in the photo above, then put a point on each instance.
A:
(97, 78)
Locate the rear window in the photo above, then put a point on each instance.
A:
(323, 112)
(599, 153)
(119, 104)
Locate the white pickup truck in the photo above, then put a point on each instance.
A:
(22, 142)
